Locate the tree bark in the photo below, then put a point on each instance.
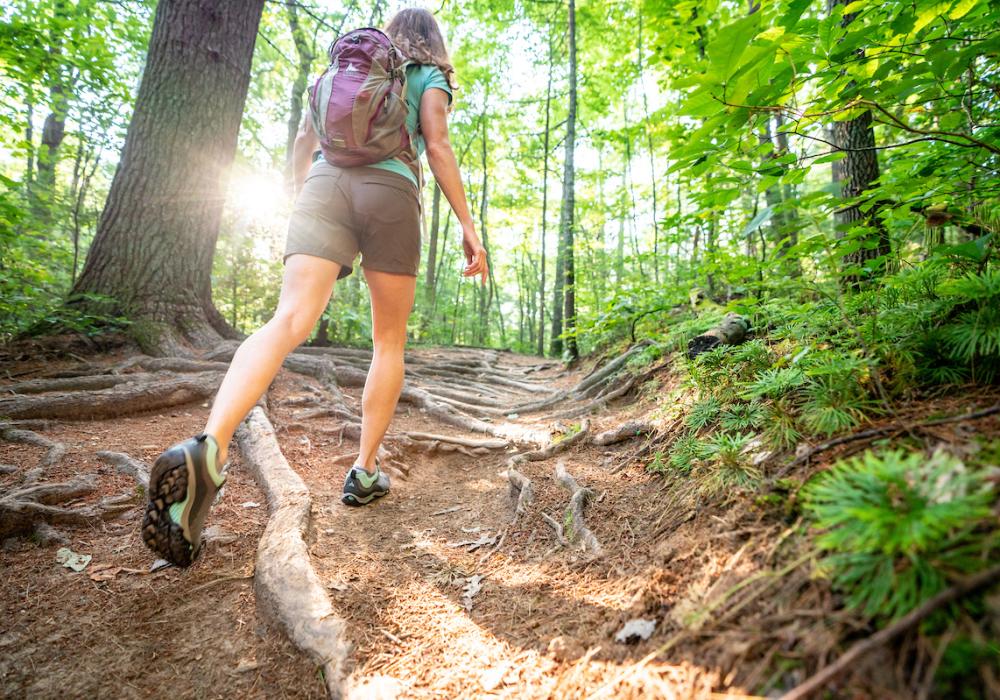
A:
(857, 173)
(566, 214)
(545, 199)
(152, 255)
(652, 158)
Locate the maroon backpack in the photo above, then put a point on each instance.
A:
(358, 106)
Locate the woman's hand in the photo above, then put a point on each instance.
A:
(475, 255)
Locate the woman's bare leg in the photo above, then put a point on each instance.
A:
(392, 300)
(305, 291)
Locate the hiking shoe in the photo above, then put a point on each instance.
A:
(361, 488)
(183, 484)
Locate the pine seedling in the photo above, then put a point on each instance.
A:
(703, 413)
(742, 416)
(895, 526)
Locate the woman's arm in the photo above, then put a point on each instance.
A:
(306, 143)
(434, 127)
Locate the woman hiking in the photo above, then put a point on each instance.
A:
(348, 201)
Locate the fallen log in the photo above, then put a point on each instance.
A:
(733, 330)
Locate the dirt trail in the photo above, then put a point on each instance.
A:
(446, 595)
(447, 590)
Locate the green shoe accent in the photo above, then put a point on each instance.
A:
(366, 479)
(176, 510)
(212, 461)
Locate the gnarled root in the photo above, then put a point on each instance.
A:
(520, 488)
(554, 448)
(23, 508)
(55, 453)
(625, 431)
(127, 465)
(579, 497)
(120, 400)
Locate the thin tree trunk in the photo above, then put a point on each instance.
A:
(856, 173)
(305, 51)
(630, 186)
(54, 128)
(430, 281)
(545, 199)
(567, 222)
(29, 140)
(652, 159)
(152, 254)
(484, 298)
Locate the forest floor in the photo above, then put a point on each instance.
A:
(447, 587)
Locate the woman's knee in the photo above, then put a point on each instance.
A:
(294, 324)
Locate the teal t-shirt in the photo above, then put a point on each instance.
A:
(418, 79)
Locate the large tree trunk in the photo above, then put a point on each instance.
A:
(152, 254)
(857, 173)
(567, 223)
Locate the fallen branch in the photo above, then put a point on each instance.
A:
(865, 647)
(883, 430)
(579, 497)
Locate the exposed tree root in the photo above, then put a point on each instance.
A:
(865, 647)
(56, 450)
(82, 383)
(598, 378)
(127, 465)
(579, 497)
(181, 365)
(625, 431)
(600, 402)
(554, 448)
(494, 444)
(557, 528)
(24, 507)
(520, 488)
(287, 586)
(121, 400)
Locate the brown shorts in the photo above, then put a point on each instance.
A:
(341, 211)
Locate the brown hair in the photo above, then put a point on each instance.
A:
(415, 32)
